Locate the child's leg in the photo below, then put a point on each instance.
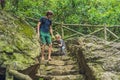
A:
(63, 50)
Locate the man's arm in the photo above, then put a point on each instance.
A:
(51, 31)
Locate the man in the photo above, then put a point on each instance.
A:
(44, 30)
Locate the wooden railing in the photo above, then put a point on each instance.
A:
(104, 31)
(107, 31)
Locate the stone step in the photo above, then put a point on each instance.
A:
(70, 62)
(62, 72)
(62, 58)
(58, 57)
(58, 62)
(61, 63)
(59, 70)
(66, 67)
(62, 77)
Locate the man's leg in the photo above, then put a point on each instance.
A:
(49, 51)
(49, 41)
(42, 52)
(43, 41)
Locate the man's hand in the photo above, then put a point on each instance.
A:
(53, 37)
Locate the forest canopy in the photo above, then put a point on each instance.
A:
(69, 11)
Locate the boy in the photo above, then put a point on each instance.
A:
(61, 43)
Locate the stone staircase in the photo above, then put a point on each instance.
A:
(59, 68)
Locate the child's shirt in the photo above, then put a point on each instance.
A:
(62, 42)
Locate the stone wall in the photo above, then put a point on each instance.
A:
(97, 59)
(19, 45)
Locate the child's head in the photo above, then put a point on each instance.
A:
(57, 37)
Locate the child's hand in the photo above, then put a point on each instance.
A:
(60, 45)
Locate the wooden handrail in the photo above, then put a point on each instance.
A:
(86, 25)
(99, 28)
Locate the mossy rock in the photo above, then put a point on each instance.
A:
(101, 57)
(18, 42)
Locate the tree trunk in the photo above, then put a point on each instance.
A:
(19, 75)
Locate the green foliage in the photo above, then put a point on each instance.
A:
(18, 42)
(70, 11)
(94, 12)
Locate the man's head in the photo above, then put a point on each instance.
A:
(49, 14)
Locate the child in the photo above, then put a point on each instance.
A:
(61, 43)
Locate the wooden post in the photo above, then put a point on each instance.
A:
(105, 32)
(62, 30)
(8, 75)
(19, 75)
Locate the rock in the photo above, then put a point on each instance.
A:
(116, 45)
(18, 43)
(98, 59)
(60, 68)
(56, 62)
(109, 76)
